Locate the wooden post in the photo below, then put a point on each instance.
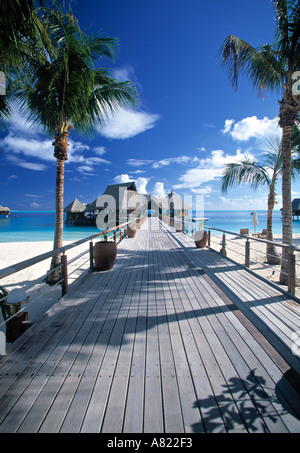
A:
(115, 236)
(247, 254)
(91, 256)
(209, 234)
(224, 244)
(291, 272)
(64, 274)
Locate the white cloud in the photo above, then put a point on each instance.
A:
(209, 169)
(140, 183)
(86, 169)
(252, 202)
(122, 178)
(127, 123)
(161, 163)
(96, 161)
(18, 124)
(171, 160)
(203, 191)
(138, 162)
(99, 150)
(14, 160)
(41, 149)
(252, 127)
(123, 74)
(159, 190)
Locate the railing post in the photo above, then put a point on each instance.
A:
(223, 250)
(64, 273)
(115, 236)
(91, 256)
(291, 272)
(209, 237)
(247, 254)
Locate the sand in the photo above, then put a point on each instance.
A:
(43, 297)
(32, 279)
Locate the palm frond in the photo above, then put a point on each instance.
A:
(247, 171)
(260, 65)
(65, 87)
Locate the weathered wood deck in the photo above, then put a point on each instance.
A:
(173, 339)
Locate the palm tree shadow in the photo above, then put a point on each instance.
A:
(243, 405)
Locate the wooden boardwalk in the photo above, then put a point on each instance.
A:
(173, 340)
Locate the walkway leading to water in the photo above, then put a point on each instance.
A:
(174, 339)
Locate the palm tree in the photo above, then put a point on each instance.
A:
(18, 24)
(63, 89)
(267, 173)
(274, 66)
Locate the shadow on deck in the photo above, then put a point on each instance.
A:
(172, 340)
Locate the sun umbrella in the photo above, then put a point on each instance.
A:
(254, 221)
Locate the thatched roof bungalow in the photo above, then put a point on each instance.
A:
(177, 207)
(75, 212)
(4, 211)
(122, 200)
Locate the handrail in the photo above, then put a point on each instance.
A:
(277, 244)
(37, 259)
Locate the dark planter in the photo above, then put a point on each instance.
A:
(178, 226)
(202, 242)
(104, 254)
(131, 231)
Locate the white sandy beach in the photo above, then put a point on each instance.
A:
(43, 297)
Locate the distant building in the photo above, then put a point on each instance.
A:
(120, 202)
(4, 211)
(296, 207)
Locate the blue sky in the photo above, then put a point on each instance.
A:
(189, 123)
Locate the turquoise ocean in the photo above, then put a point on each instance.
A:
(29, 226)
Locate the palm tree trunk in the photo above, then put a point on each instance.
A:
(287, 117)
(60, 152)
(272, 255)
(287, 233)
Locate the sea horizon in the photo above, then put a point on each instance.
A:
(36, 226)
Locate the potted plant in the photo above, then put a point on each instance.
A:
(131, 228)
(201, 238)
(178, 225)
(104, 254)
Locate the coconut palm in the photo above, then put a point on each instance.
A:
(258, 174)
(274, 66)
(63, 89)
(18, 24)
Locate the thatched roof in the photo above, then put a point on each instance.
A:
(296, 205)
(4, 209)
(125, 196)
(177, 203)
(75, 206)
(156, 203)
(91, 207)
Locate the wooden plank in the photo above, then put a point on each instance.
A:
(226, 328)
(157, 345)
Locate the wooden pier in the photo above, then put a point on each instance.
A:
(174, 339)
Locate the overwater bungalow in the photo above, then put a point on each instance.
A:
(4, 211)
(75, 213)
(122, 201)
(177, 206)
(296, 207)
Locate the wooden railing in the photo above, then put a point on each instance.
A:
(191, 227)
(117, 233)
